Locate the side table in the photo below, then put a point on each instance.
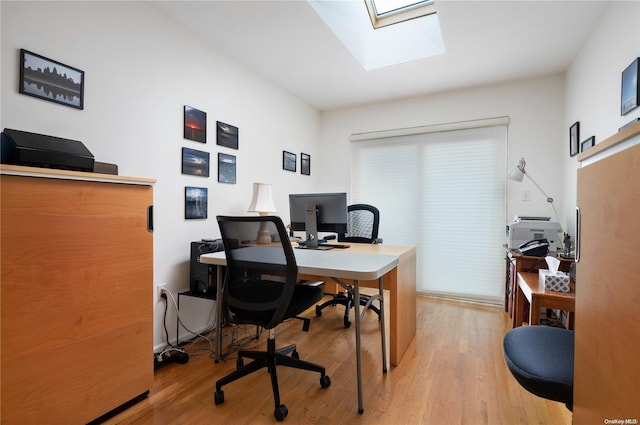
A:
(529, 290)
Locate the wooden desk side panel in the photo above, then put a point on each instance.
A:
(607, 292)
(76, 297)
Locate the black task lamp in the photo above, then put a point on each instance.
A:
(518, 172)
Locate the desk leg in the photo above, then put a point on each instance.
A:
(356, 306)
(218, 325)
(382, 326)
(519, 307)
(534, 311)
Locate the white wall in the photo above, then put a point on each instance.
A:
(140, 71)
(535, 109)
(593, 86)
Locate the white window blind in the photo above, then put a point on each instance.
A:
(443, 192)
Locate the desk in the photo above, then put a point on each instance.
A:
(529, 289)
(390, 267)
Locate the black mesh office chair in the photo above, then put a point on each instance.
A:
(260, 288)
(363, 222)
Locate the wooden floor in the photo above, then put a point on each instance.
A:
(452, 373)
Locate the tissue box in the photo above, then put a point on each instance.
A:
(558, 282)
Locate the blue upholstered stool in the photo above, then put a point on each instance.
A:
(541, 360)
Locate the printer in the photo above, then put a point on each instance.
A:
(523, 229)
(39, 150)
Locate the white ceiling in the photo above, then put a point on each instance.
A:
(486, 42)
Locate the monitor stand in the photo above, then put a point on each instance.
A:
(311, 226)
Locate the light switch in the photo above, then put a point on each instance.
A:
(526, 195)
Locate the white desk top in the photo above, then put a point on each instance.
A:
(333, 263)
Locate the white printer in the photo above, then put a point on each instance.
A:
(523, 229)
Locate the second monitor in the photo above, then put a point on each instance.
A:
(318, 212)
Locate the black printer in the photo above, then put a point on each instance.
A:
(39, 150)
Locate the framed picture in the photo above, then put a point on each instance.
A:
(590, 142)
(630, 89)
(195, 162)
(305, 164)
(195, 202)
(630, 123)
(51, 80)
(226, 168)
(226, 135)
(289, 161)
(195, 124)
(574, 139)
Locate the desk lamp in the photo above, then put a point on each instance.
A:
(518, 172)
(262, 203)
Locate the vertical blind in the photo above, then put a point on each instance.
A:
(443, 192)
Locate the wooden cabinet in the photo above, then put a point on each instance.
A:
(76, 294)
(607, 339)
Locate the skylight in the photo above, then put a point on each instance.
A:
(389, 12)
(416, 38)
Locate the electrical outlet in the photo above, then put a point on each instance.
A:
(161, 287)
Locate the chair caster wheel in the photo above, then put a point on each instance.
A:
(218, 397)
(281, 412)
(347, 323)
(295, 355)
(325, 381)
(318, 311)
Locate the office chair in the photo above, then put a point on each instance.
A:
(541, 360)
(363, 222)
(260, 288)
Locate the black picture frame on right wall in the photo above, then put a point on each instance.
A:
(630, 93)
(574, 139)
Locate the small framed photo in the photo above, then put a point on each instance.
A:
(305, 164)
(289, 161)
(574, 139)
(590, 142)
(195, 124)
(195, 162)
(51, 80)
(226, 168)
(195, 202)
(226, 135)
(630, 88)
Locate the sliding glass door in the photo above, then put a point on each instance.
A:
(443, 192)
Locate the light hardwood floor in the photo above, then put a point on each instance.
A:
(452, 373)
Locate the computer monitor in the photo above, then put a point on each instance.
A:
(318, 212)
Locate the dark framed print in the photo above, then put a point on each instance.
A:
(305, 164)
(195, 162)
(630, 88)
(226, 168)
(195, 124)
(195, 202)
(590, 142)
(574, 139)
(289, 161)
(51, 80)
(226, 135)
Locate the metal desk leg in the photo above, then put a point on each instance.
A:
(382, 328)
(218, 312)
(356, 306)
(178, 323)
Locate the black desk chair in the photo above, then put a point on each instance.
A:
(363, 222)
(541, 360)
(260, 288)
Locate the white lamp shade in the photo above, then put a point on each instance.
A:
(517, 172)
(262, 201)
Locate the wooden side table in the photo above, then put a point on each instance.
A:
(529, 290)
(517, 263)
